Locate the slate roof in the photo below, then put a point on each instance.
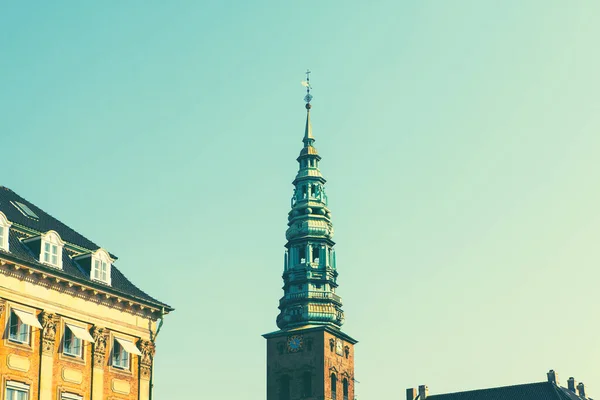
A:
(70, 269)
(528, 391)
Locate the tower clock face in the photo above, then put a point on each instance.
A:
(295, 343)
(339, 349)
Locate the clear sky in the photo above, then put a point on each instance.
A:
(460, 141)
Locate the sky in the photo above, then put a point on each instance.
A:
(459, 139)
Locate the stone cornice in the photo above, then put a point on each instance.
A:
(335, 332)
(60, 282)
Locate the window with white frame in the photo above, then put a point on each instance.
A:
(70, 396)
(121, 351)
(4, 231)
(74, 338)
(19, 325)
(51, 251)
(16, 391)
(71, 343)
(120, 357)
(101, 262)
(100, 270)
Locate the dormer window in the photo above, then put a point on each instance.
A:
(101, 263)
(48, 248)
(51, 251)
(4, 231)
(100, 270)
(97, 265)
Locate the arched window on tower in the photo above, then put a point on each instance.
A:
(315, 191)
(333, 385)
(302, 253)
(315, 253)
(345, 388)
(284, 388)
(306, 384)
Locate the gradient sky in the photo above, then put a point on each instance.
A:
(460, 141)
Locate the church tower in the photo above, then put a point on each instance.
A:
(309, 357)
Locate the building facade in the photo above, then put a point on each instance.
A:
(74, 327)
(309, 357)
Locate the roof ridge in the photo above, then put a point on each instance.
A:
(492, 388)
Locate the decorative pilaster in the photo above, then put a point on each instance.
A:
(100, 336)
(48, 341)
(48, 332)
(100, 339)
(147, 348)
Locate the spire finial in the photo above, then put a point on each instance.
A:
(308, 136)
(306, 84)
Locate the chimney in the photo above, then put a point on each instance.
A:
(423, 392)
(552, 377)
(581, 390)
(411, 394)
(571, 384)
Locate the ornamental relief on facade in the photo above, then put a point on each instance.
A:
(49, 322)
(100, 336)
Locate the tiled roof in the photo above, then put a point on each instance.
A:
(17, 249)
(44, 223)
(528, 391)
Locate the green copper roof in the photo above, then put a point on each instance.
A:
(310, 275)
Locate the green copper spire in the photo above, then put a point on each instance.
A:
(309, 276)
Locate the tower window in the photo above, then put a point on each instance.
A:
(315, 254)
(307, 384)
(304, 191)
(315, 191)
(333, 385)
(284, 388)
(302, 253)
(345, 388)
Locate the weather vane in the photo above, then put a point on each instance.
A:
(306, 84)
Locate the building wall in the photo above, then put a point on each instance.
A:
(43, 365)
(342, 365)
(316, 357)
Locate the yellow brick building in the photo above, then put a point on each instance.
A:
(73, 326)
